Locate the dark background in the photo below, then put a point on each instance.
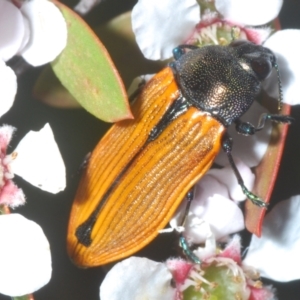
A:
(76, 133)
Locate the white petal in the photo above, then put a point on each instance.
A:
(223, 216)
(227, 177)
(211, 206)
(250, 149)
(160, 26)
(85, 6)
(137, 278)
(48, 35)
(8, 89)
(39, 161)
(285, 44)
(209, 250)
(11, 38)
(26, 257)
(249, 12)
(276, 253)
(258, 35)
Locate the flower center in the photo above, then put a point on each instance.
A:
(5, 168)
(215, 32)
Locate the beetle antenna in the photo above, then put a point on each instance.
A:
(280, 97)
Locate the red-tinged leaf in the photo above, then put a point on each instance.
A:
(266, 173)
(26, 297)
(50, 91)
(86, 70)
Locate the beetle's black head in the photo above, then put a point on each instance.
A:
(223, 80)
(261, 59)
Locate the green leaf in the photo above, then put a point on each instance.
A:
(86, 70)
(50, 91)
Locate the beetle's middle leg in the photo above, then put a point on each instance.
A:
(227, 147)
(189, 197)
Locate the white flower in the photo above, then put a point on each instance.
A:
(276, 253)
(12, 38)
(137, 278)
(249, 12)
(36, 31)
(8, 89)
(43, 167)
(25, 256)
(48, 32)
(39, 161)
(285, 44)
(221, 275)
(159, 28)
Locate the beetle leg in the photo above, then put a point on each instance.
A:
(244, 128)
(84, 164)
(247, 128)
(227, 147)
(85, 161)
(137, 91)
(189, 197)
(182, 240)
(187, 251)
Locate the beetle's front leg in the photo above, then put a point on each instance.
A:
(227, 147)
(247, 128)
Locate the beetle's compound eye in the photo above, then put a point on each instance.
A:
(262, 67)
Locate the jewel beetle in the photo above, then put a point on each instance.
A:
(141, 170)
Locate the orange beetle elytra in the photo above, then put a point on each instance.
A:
(141, 170)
